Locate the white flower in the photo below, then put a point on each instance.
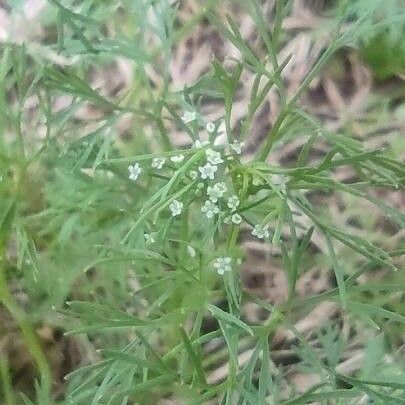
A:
(227, 220)
(237, 147)
(236, 219)
(208, 171)
(210, 209)
(221, 187)
(176, 207)
(213, 194)
(210, 127)
(213, 157)
(157, 163)
(193, 174)
(188, 116)
(177, 158)
(191, 251)
(233, 202)
(217, 191)
(222, 264)
(148, 238)
(260, 232)
(198, 144)
(134, 171)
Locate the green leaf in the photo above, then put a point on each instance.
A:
(315, 397)
(373, 310)
(194, 357)
(229, 319)
(133, 360)
(265, 380)
(338, 271)
(68, 82)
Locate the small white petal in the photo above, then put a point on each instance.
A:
(176, 207)
(233, 202)
(210, 127)
(191, 251)
(222, 264)
(148, 238)
(177, 158)
(260, 232)
(134, 171)
(199, 144)
(212, 194)
(210, 209)
(217, 191)
(213, 157)
(189, 116)
(207, 171)
(237, 147)
(157, 163)
(236, 219)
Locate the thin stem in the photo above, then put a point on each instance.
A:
(273, 134)
(6, 380)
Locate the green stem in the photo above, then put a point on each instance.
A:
(273, 134)
(29, 336)
(6, 380)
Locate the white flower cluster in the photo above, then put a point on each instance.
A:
(261, 232)
(222, 265)
(216, 191)
(213, 157)
(157, 163)
(134, 171)
(206, 171)
(216, 202)
(219, 200)
(210, 168)
(189, 116)
(210, 209)
(233, 203)
(177, 158)
(234, 218)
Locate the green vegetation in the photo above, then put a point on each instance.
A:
(118, 235)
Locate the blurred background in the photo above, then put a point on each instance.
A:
(55, 52)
